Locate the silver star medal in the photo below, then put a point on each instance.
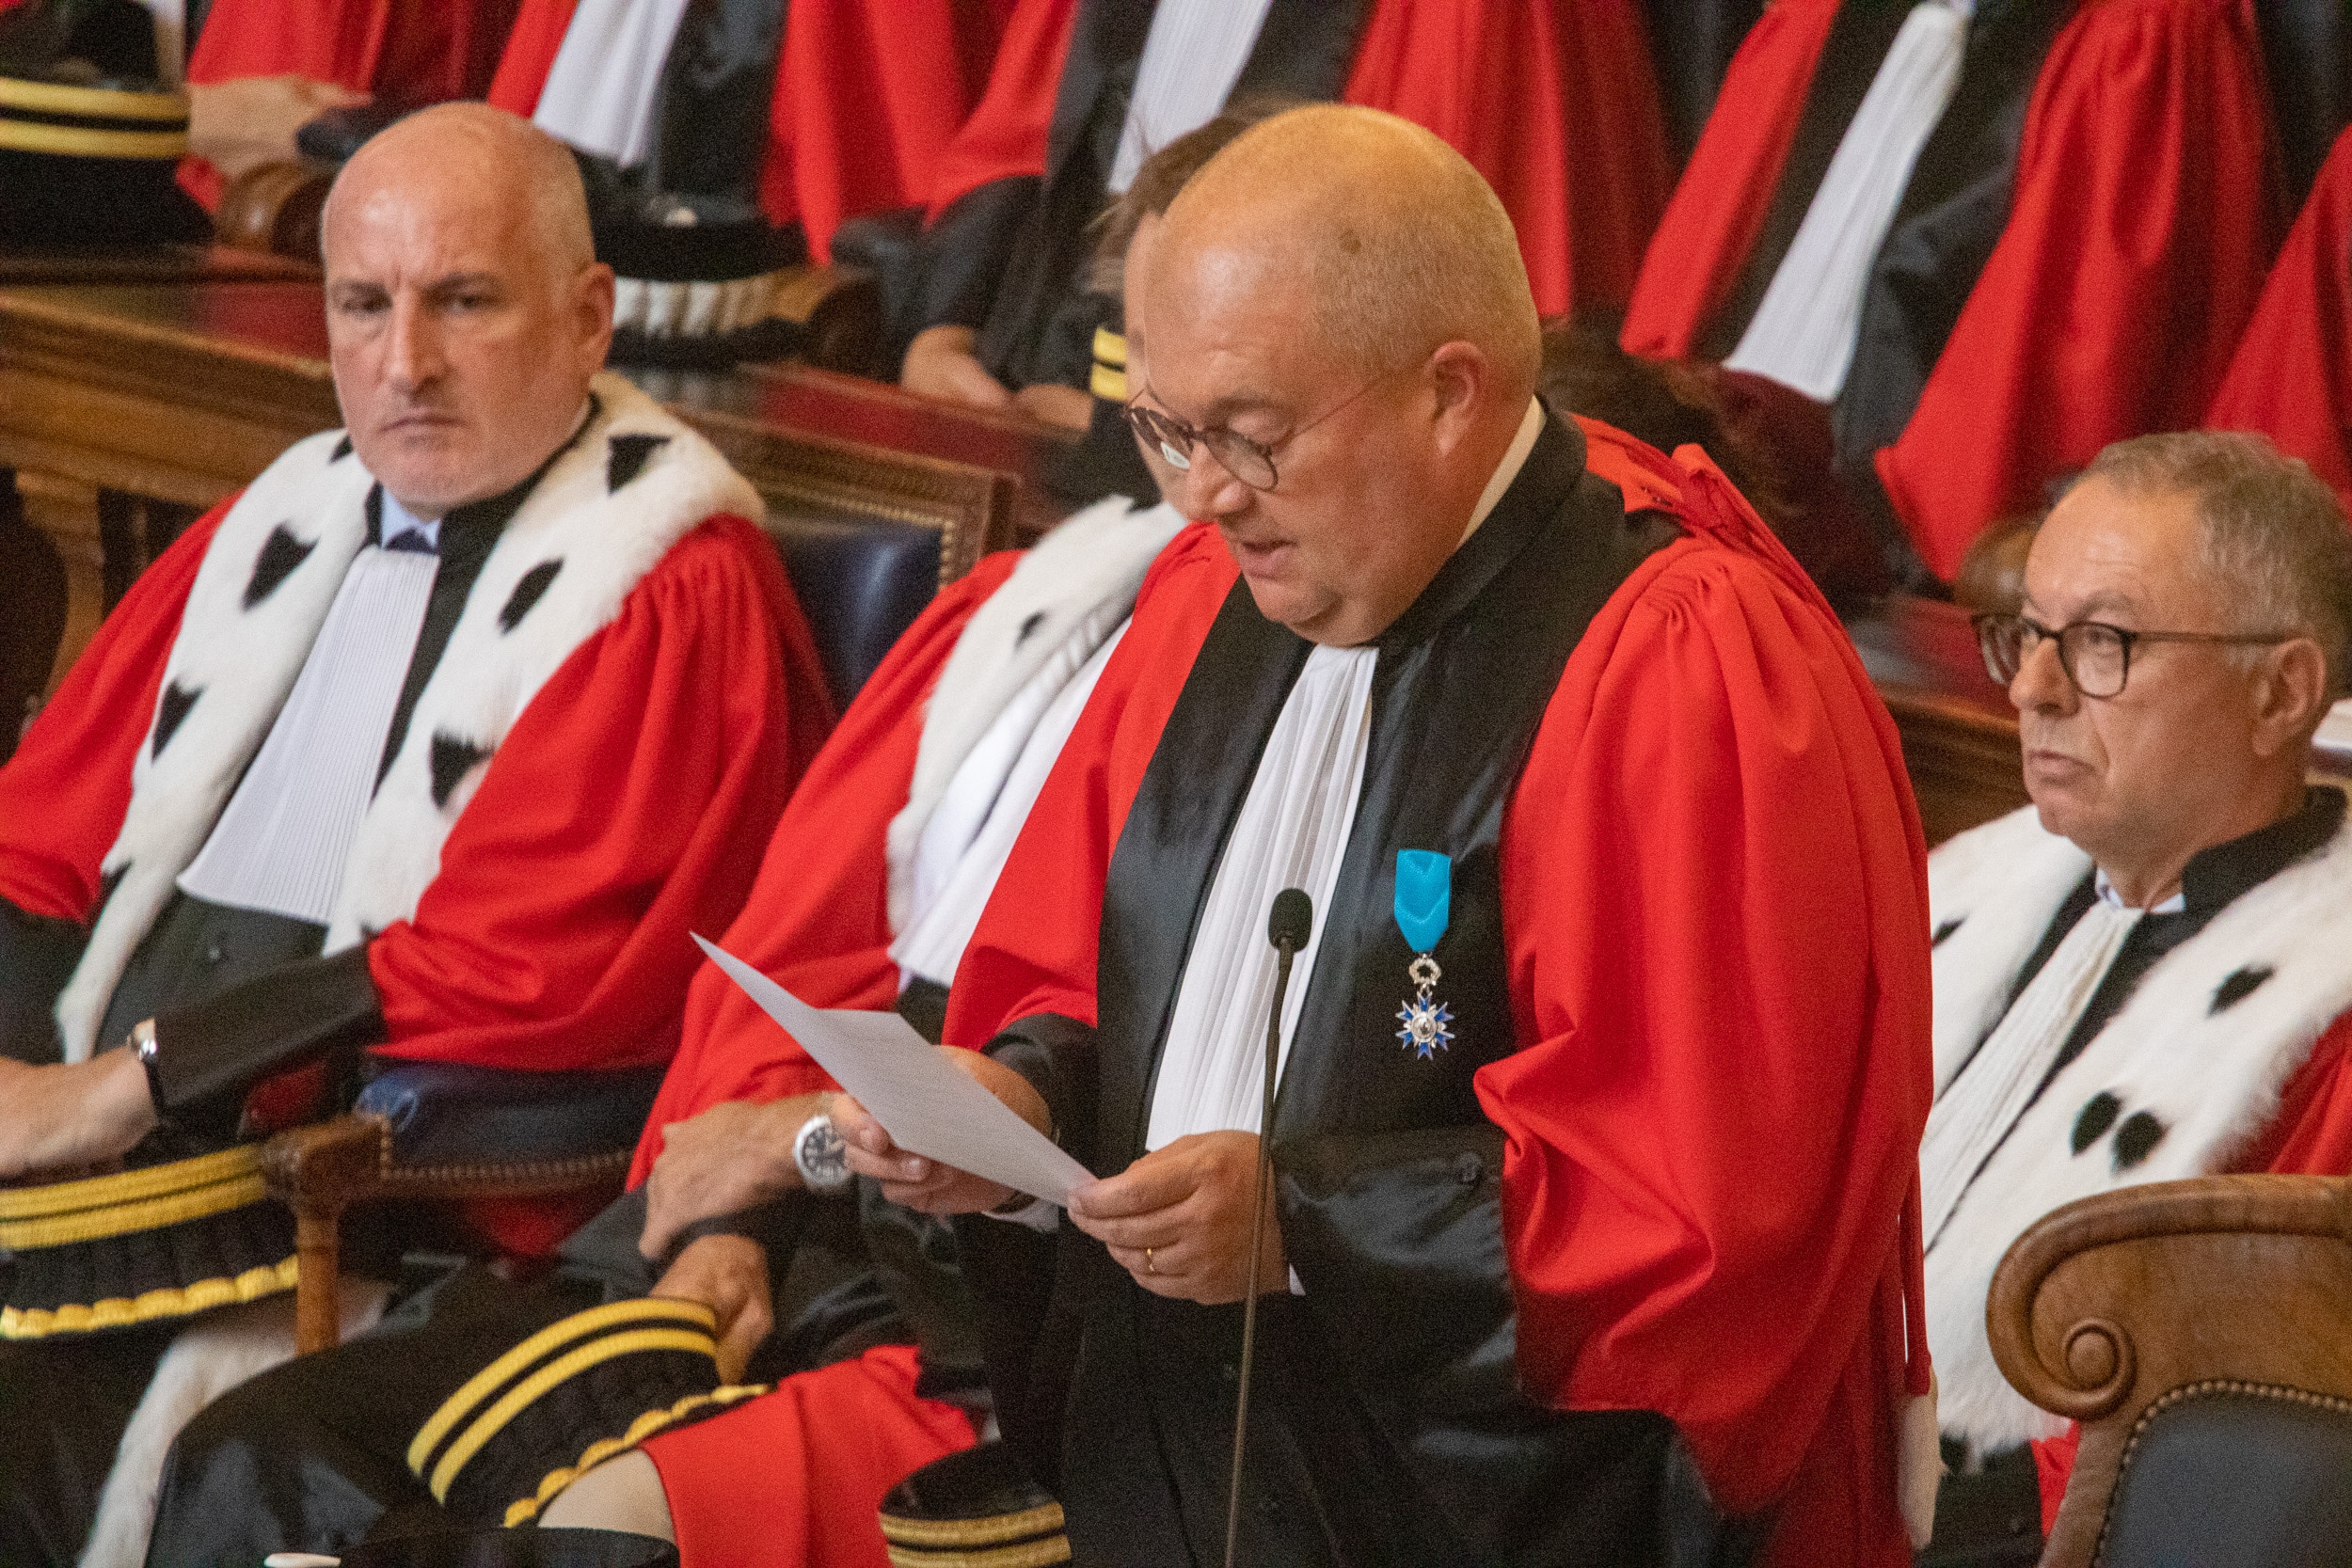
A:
(1427, 1021)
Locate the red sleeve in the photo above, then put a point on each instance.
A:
(529, 54)
(63, 794)
(870, 94)
(1719, 207)
(1580, 162)
(1712, 1139)
(2144, 218)
(1006, 134)
(1033, 950)
(2291, 376)
(628, 806)
(818, 919)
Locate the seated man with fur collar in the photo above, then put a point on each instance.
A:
(2142, 977)
(433, 745)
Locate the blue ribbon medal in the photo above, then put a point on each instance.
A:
(1424, 902)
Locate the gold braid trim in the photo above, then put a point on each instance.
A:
(130, 1186)
(596, 1319)
(59, 97)
(524, 1509)
(34, 1323)
(988, 1532)
(1030, 1554)
(76, 141)
(1110, 348)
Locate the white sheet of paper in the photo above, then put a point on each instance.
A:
(924, 1103)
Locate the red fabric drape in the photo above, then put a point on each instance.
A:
(2144, 217)
(1719, 206)
(817, 921)
(2291, 378)
(529, 54)
(829, 1443)
(1673, 1247)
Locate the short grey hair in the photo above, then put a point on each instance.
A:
(2274, 536)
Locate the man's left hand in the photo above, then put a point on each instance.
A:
(733, 1156)
(1178, 1220)
(729, 1275)
(67, 1119)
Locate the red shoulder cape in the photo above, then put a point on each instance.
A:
(817, 921)
(2144, 217)
(2291, 376)
(1714, 1118)
(1579, 160)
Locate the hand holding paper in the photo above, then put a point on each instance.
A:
(921, 1099)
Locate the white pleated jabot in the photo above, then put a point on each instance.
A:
(283, 840)
(603, 85)
(1980, 1104)
(1191, 59)
(1805, 331)
(1292, 831)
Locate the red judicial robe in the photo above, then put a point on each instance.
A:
(626, 808)
(2310, 1135)
(1712, 1114)
(832, 1441)
(2141, 219)
(1580, 157)
(408, 54)
(868, 94)
(2292, 377)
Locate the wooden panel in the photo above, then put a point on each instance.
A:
(1959, 732)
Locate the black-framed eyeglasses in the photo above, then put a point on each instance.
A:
(1248, 460)
(2096, 657)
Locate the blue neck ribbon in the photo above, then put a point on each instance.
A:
(1425, 896)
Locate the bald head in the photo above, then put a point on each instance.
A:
(1399, 243)
(510, 166)
(465, 311)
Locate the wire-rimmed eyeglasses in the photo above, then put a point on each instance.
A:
(2096, 657)
(1247, 459)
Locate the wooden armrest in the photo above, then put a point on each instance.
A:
(276, 208)
(322, 1169)
(839, 310)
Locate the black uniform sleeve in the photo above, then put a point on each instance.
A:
(209, 1054)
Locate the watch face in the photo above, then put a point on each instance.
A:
(823, 1157)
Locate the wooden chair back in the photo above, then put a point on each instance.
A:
(2120, 1311)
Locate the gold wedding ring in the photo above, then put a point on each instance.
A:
(1148, 1267)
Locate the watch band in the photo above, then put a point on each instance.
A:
(820, 1155)
(143, 1042)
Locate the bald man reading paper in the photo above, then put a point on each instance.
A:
(433, 745)
(1605, 1062)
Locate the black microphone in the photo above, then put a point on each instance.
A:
(1291, 920)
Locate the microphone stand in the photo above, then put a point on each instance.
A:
(1292, 918)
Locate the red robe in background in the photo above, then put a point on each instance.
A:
(832, 1441)
(404, 52)
(2142, 220)
(2292, 377)
(868, 94)
(1555, 102)
(627, 807)
(2310, 1135)
(1713, 1115)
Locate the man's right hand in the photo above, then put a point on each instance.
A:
(940, 364)
(252, 119)
(733, 1156)
(926, 1185)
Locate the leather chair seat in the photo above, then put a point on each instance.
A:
(2235, 1475)
(862, 580)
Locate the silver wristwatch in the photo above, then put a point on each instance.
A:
(820, 1156)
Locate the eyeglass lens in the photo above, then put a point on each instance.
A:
(2097, 658)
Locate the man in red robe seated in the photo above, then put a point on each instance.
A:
(2140, 977)
(1959, 247)
(1576, 768)
(1554, 101)
(429, 747)
(2292, 377)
